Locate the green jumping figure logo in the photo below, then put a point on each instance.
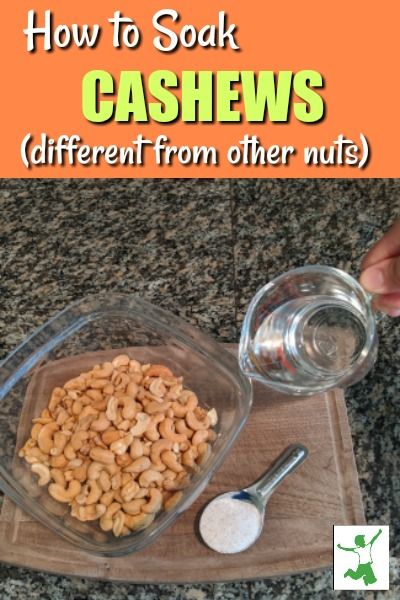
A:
(365, 561)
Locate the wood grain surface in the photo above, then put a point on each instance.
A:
(297, 535)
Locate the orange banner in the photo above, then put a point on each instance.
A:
(234, 89)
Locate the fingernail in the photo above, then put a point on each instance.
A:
(373, 280)
(393, 312)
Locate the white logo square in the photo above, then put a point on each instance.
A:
(360, 557)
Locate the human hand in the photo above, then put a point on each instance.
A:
(380, 272)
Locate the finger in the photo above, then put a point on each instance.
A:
(387, 247)
(383, 277)
(388, 303)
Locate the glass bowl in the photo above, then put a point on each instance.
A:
(110, 323)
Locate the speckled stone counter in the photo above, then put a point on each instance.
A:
(202, 248)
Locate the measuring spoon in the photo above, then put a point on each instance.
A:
(233, 521)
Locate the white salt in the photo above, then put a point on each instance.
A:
(228, 525)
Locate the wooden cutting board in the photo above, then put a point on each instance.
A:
(297, 535)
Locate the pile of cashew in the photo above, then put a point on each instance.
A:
(119, 443)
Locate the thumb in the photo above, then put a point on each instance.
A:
(382, 278)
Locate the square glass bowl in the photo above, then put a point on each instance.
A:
(110, 323)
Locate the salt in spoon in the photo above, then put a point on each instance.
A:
(233, 521)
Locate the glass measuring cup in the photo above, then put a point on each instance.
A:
(309, 330)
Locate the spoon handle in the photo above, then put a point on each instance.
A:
(286, 463)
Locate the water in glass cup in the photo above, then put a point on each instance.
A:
(307, 331)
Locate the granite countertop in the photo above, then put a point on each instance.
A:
(201, 248)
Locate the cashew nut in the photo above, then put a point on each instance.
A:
(179, 483)
(107, 498)
(212, 417)
(152, 432)
(88, 410)
(156, 449)
(43, 472)
(69, 452)
(75, 463)
(80, 473)
(134, 366)
(106, 521)
(129, 407)
(166, 429)
(124, 425)
(132, 390)
(186, 403)
(76, 407)
(60, 440)
(98, 384)
(121, 446)
(110, 436)
(181, 427)
(139, 465)
(78, 438)
(105, 524)
(77, 383)
(149, 478)
(155, 502)
(194, 423)
(157, 407)
(142, 422)
(108, 389)
(136, 449)
(122, 360)
(112, 408)
(57, 476)
(189, 458)
(62, 494)
(56, 397)
(104, 480)
(204, 451)
(129, 491)
(140, 521)
(126, 478)
(45, 437)
(58, 462)
(116, 481)
(159, 371)
(90, 512)
(157, 387)
(124, 460)
(212, 436)
(101, 455)
(62, 418)
(170, 460)
(35, 431)
(199, 436)
(85, 422)
(100, 424)
(95, 395)
(118, 523)
(120, 380)
(103, 372)
(95, 492)
(134, 506)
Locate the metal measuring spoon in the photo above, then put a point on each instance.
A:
(233, 521)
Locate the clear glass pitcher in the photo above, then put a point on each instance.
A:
(308, 331)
